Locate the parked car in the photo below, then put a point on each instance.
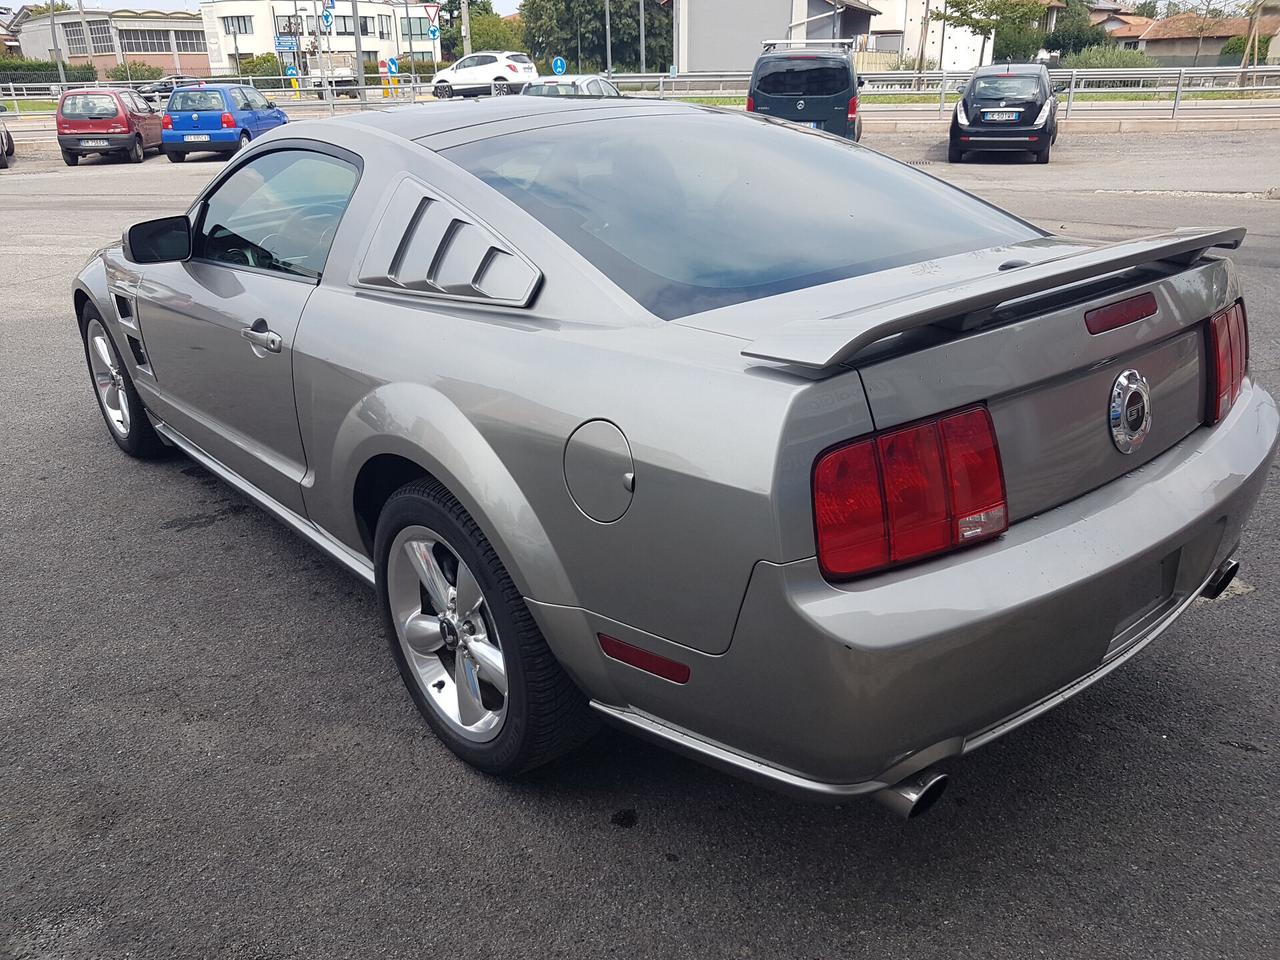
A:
(770, 448)
(159, 90)
(815, 85)
(6, 141)
(1005, 107)
(217, 117)
(106, 121)
(489, 71)
(569, 85)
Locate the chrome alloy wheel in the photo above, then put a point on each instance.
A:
(107, 379)
(447, 633)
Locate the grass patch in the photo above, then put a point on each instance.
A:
(29, 106)
(1137, 96)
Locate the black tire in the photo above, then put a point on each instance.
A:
(175, 156)
(70, 159)
(9, 147)
(443, 91)
(4, 159)
(546, 714)
(954, 154)
(1042, 156)
(136, 154)
(141, 441)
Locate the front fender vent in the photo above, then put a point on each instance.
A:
(425, 244)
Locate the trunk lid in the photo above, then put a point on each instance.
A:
(90, 113)
(197, 110)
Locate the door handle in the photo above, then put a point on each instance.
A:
(260, 336)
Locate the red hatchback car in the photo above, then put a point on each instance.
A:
(106, 121)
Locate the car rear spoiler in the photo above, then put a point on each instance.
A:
(827, 341)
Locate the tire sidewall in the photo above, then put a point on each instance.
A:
(142, 441)
(415, 507)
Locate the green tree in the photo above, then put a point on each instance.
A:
(553, 27)
(1019, 44)
(263, 65)
(134, 70)
(43, 8)
(1107, 57)
(1234, 47)
(1073, 32)
(985, 16)
(1148, 8)
(490, 32)
(451, 25)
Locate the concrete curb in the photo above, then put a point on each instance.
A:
(1114, 125)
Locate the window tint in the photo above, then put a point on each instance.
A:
(239, 99)
(594, 89)
(483, 60)
(184, 101)
(609, 89)
(256, 100)
(278, 212)
(518, 58)
(691, 212)
(548, 90)
(90, 106)
(466, 62)
(803, 78)
(1006, 87)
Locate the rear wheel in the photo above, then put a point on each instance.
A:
(954, 154)
(244, 140)
(175, 156)
(9, 147)
(470, 653)
(1042, 156)
(500, 87)
(4, 159)
(117, 398)
(135, 154)
(69, 158)
(443, 91)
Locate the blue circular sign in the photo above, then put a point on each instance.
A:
(558, 66)
(433, 33)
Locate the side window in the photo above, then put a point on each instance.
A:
(238, 99)
(594, 89)
(277, 212)
(256, 100)
(483, 61)
(465, 63)
(609, 89)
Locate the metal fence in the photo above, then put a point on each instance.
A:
(926, 91)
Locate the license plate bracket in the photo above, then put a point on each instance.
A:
(196, 138)
(1001, 116)
(93, 143)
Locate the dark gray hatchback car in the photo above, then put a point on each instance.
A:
(814, 87)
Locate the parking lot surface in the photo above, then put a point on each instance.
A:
(207, 750)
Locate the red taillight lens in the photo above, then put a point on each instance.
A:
(1120, 314)
(228, 120)
(853, 107)
(167, 121)
(633, 656)
(908, 494)
(751, 104)
(1229, 345)
(512, 68)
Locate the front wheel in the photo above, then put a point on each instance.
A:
(470, 653)
(117, 397)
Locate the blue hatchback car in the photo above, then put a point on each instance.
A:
(217, 117)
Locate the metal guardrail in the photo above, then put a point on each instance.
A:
(1174, 84)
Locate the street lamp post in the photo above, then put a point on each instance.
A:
(608, 42)
(642, 70)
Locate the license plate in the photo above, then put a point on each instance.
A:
(93, 143)
(196, 137)
(1001, 114)
(811, 124)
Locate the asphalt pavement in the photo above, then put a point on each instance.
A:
(207, 751)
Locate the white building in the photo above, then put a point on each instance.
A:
(249, 28)
(897, 29)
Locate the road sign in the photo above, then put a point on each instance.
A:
(433, 33)
(558, 66)
(432, 10)
(382, 67)
(291, 71)
(393, 66)
(329, 4)
(326, 19)
(286, 44)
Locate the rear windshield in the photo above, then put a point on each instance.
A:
(90, 106)
(550, 90)
(691, 212)
(518, 58)
(803, 78)
(1006, 88)
(196, 100)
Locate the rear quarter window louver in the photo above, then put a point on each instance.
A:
(425, 244)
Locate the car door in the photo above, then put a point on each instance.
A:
(145, 120)
(218, 329)
(268, 117)
(483, 72)
(246, 116)
(462, 72)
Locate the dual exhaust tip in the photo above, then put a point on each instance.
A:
(915, 795)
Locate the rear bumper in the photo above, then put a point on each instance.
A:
(1000, 138)
(219, 141)
(71, 142)
(837, 690)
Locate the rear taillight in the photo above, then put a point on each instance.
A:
(1229, 347)
(909, 493)
(1120, 314)
(228, 120)
(167, 121)
(512, 68)
(853, 107)
(751, 104)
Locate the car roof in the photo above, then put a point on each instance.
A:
(1009, 69)
(570, 78)
(213, 86)
(825, 53)
(505, 114)
(80, 90)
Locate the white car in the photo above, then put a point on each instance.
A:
(489, 71)
(572, 85)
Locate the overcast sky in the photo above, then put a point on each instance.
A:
(501, 6)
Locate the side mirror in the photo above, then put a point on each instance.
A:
(167, 240)
(861, 81)
(271, 104)
(1059, 87)
(3, 108)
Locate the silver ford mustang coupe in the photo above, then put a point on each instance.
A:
(746, 438)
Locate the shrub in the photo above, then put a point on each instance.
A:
(263, 65)
(133, 70)
(1017, 43)
(22, 70)
(909, 63)
(1233, 49)
(1106, 56)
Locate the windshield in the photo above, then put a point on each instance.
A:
(810, 77)
(1006, 87)
(696, 211)
(90, 106)
(196, 100)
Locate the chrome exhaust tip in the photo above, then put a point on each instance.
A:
(913, 796)
(1221, 579)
